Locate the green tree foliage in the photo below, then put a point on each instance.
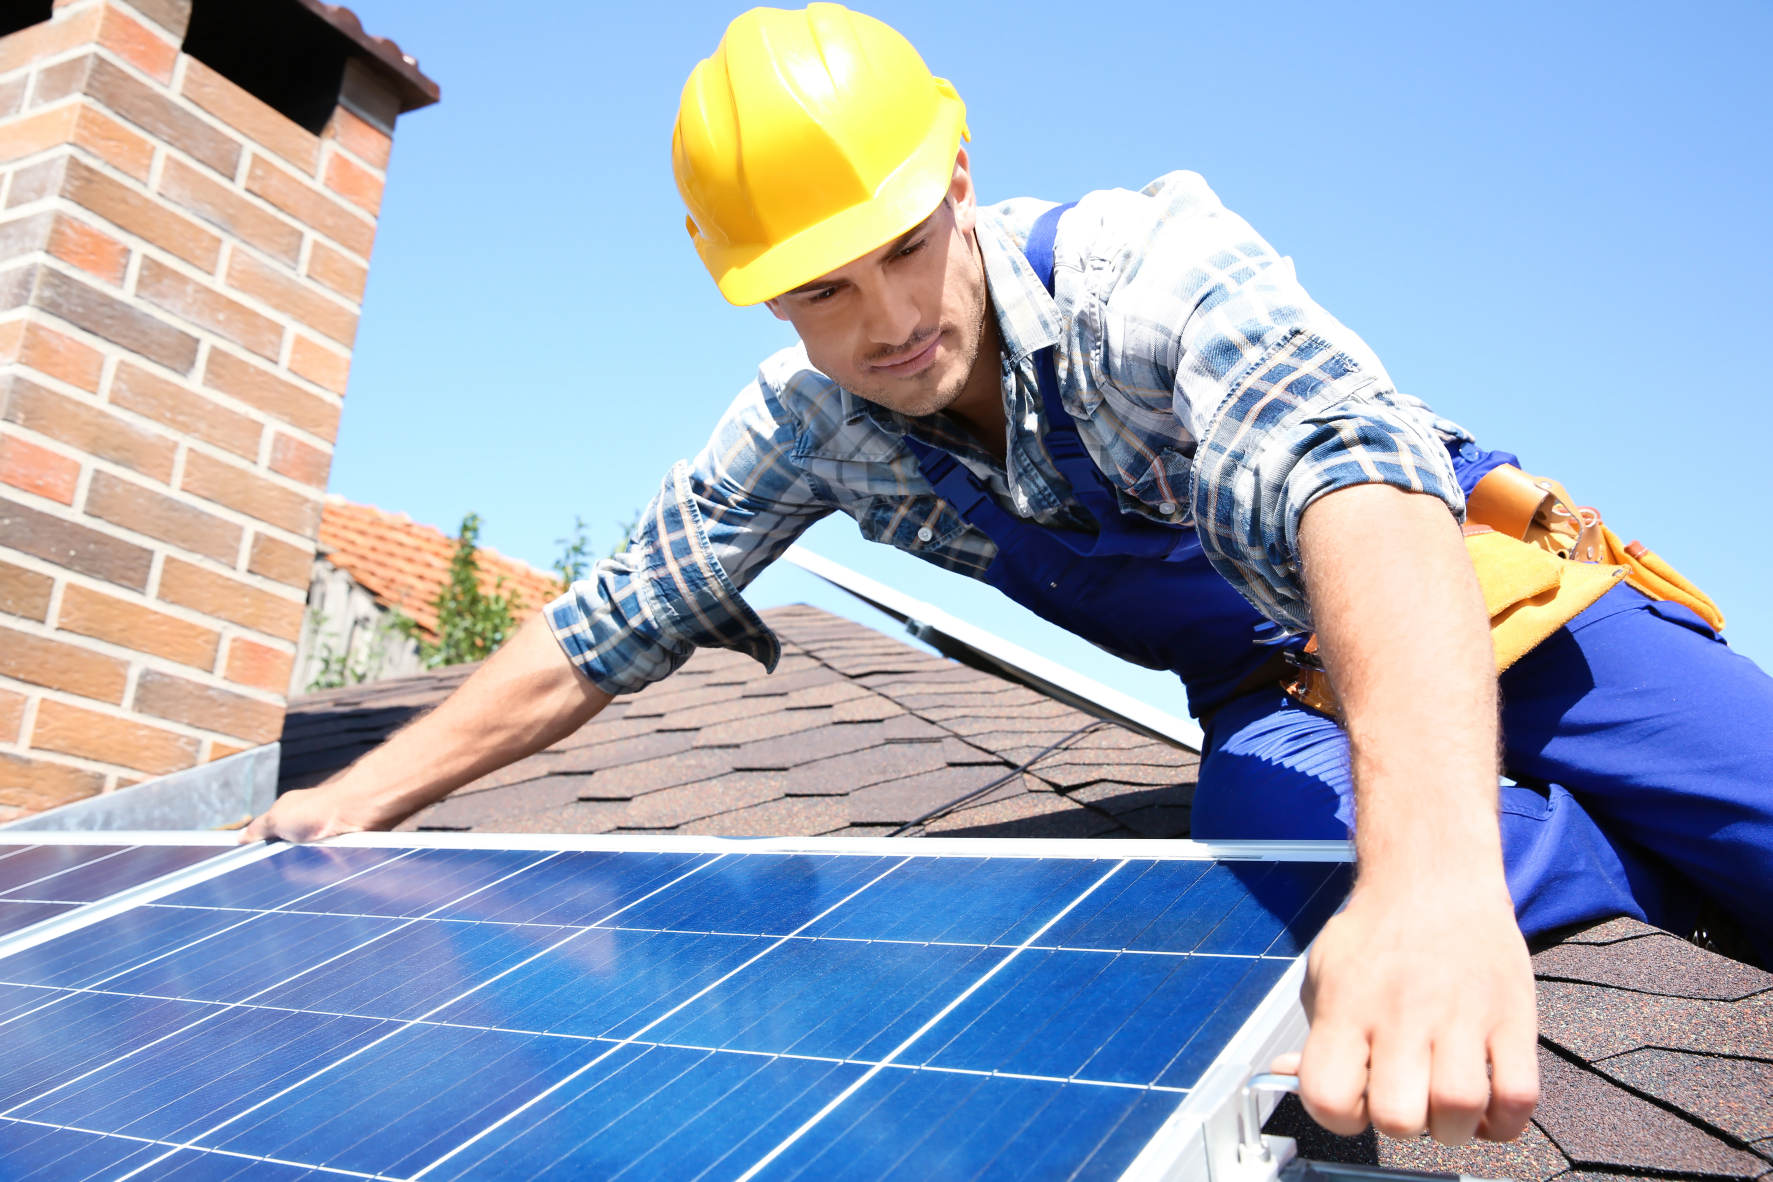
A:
(471, 623)
(575, 560)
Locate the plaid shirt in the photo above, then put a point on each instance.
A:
(1206, 385)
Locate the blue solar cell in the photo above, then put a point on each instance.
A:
(450, 1009)
(216, 1067)
(906, 1124)
(14, 916)
(33, 1152)
(255, 953)
(404, 1100)
(1275, 894)
(757, 894)
(605, 983)
(17, 999)
(577, 888)
(40, 861)
(80, 1032)
(115, 944)
(671, 1112)
(97, 878)
(413, 969)
(1118, 1018)
(291, 875)
(964, 900)
(1240, 908)
(200, 1165)
(421, 883)
(830, 998)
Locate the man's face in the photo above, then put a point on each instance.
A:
(902, 325)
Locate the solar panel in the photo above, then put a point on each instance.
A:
(681, 1009)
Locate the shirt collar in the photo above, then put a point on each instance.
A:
(1027, 317)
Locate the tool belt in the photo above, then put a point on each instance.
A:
(1540, 560)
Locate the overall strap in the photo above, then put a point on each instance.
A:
(1118, 533)
(1039, 250)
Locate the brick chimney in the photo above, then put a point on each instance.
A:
(188, 200)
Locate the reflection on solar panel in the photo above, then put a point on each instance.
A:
(41, 881)
(722, 1010)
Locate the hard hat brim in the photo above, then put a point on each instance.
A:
(751, 274)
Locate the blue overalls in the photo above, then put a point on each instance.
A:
(1642, 743)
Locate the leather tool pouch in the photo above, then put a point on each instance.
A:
(1541, 560)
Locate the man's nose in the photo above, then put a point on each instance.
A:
(890, 314)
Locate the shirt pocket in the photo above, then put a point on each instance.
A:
(916, 524)
(1164, 483)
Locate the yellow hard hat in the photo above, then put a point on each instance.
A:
(809, 139)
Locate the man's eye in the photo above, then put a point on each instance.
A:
(819, 297)
(913, 248)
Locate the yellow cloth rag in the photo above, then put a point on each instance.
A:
(1531, 593)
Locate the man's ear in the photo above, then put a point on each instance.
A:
(775, 307)
(962, 195)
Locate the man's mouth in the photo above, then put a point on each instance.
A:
(910, 365)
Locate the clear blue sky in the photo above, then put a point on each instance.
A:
(1551, 221)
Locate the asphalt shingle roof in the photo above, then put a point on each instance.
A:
(855, 732)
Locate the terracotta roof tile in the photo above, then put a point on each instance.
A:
(405, 565)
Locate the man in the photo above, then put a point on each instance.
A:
(1126, 414)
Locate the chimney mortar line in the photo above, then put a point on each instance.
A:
(23, 742)
(126, 714)
(165, 607)
(308, 284)
(147, 22)
(156, 568)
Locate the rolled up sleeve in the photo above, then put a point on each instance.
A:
(1303, 421)
(1277, 402)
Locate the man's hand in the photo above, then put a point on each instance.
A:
(526, 697)
(1420, 992)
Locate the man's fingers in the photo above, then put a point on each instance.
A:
(1333, 1077)
(1458, 1087)
(1287, 1064)
(1514, 1080)
(257, 830)
(1397, 1083)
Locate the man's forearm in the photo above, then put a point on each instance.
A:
(526, 697)
(1420, 991)
(1402, 628)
